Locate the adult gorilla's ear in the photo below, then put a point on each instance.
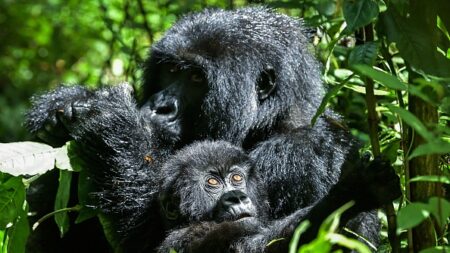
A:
(170, 207)
(265, 84)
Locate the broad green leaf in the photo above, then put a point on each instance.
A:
(411, 216)
(18, 233)
(26, 158)
(76, 162)
(440, 208)
(358, 13)
(384, 78)
(62, 198)
(434, 178)
(85, 186)
(412, 121)
(12, 197)
(436, 147)
(416, 37)
(363, 54)
(62, 160)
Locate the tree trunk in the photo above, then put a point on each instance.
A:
(423, 236)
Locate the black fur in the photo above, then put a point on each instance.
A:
(244, 76)
(184, 179)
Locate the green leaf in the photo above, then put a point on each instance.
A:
(18, 233)
(330, 94)
(435, 147)
(61, 201)
(12, 197)
(383, 78)
(85, 213)
(76, 161)
(411, 216)
(416, 37)
(358, 13)
(348, 243)
(85, 186)
(440, 208)
(293, 244)
(365, 54)
(26, 158)
(62, 160)
(433, 178)
(412, 121)
(437, 249)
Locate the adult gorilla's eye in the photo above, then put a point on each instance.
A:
(236, 178)
(197, 78)
(173, 69)
(212, 181)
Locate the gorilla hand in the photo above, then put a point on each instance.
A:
(43, 118)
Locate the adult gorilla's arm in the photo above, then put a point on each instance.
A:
(120, 150)
(369, 185)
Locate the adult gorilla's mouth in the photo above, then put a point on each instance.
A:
(243, 216)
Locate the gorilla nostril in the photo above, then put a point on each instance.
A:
(165, 110)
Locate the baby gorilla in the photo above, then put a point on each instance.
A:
(213, 188)
(211, 181)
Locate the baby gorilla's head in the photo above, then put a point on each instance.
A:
(211, 181)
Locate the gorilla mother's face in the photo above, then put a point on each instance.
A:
(175, 98)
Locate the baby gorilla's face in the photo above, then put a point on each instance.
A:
(210, 181)
(227, 190)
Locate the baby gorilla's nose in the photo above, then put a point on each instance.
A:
(235, 197)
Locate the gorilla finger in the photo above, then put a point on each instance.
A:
(80, 108)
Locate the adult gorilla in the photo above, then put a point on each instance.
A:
(243, 76)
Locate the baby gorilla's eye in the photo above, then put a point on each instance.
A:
(236, 178)
(212, 181)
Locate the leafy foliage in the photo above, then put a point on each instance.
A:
(402, 47)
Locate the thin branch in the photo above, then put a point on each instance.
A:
(366, 35)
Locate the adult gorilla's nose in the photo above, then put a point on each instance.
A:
(162, 108)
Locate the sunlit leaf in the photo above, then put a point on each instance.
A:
(348, 243)
(62, 160)
(432, 178)
(293, 244)
(383, 78)
(26, 158)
